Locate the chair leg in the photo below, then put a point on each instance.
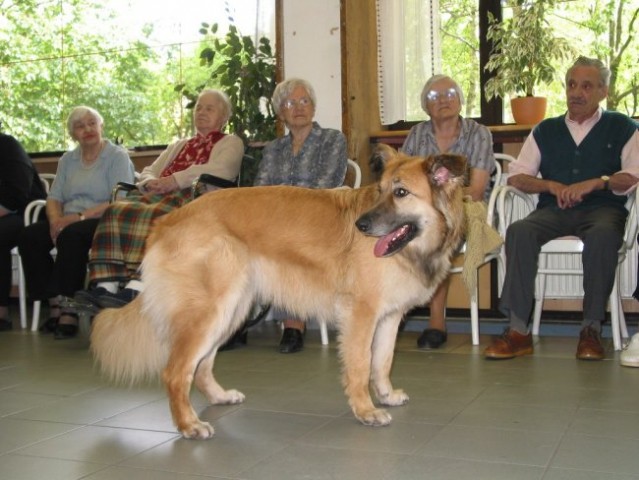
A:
(540, 292)
(323, 332)
(474, 319)
(474, 313)
(22, 296)
(35, 320)
(617, 318)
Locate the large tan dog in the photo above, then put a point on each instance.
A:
(359, 259)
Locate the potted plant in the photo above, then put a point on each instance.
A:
(246, 73)
(524, 49)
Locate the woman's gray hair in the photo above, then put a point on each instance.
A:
(604, 72)
(284, 89)
(436, 78)
(223, 98)
(77, 113)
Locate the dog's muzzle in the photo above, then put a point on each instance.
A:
(389, 242)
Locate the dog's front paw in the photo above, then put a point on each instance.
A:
(229, 397)
(197, 431)
(394, 398)
(376, 417)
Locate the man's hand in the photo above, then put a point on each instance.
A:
(569, 196)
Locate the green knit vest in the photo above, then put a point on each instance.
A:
(598, 154)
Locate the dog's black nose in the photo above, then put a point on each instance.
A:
(363, 224)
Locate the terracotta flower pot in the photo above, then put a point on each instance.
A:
(528, 110)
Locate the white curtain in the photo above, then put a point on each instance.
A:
(408, 53)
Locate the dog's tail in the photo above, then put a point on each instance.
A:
(126, 345)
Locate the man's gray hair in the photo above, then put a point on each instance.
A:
(604, 72)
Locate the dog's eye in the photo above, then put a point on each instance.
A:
(400, 192)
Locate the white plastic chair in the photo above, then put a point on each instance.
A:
(31, 214)
(513, 205)
(47, 179)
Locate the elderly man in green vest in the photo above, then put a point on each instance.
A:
(588, 161)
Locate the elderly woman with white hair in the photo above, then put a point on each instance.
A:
(448, 132)
(118, 245)
(79, 195)
(308, 156)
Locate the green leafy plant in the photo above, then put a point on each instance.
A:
(525, 48)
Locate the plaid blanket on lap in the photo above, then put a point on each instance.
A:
(119, 241)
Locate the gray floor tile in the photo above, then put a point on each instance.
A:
(19, 467)
(493, 445)
(103, 445)
(598, 454)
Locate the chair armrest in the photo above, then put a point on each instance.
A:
(632, 222)
(122, 187)
(32, 211)
(207, 182)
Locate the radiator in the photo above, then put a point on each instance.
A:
(570, 286)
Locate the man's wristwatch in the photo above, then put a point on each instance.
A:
(606, 180)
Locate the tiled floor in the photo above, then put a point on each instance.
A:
(546, 416)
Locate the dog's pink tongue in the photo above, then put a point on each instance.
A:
(382, 245)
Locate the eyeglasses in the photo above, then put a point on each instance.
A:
(302, 102)
(434, 96)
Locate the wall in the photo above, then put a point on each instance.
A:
(312, 51)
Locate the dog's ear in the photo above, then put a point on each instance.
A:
(445, 166)
(381, 155)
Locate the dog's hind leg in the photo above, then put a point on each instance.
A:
(213, 391)
(382, 361)
(356, 340)
(190, 347)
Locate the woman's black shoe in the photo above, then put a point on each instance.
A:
(292, 340)
(238, 339)
(432, 338)
(66, 330)
(49, 326)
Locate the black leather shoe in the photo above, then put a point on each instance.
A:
(292, 340)
(66, 330)
(239, 339)
(432, 338)
(49, 326)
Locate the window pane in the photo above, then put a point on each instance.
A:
(123, 57)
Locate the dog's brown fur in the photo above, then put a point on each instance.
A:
(300, 250)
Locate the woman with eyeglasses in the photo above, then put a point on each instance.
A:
(308, 156)
(448, 132)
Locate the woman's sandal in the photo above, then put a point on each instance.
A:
(67, 330)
